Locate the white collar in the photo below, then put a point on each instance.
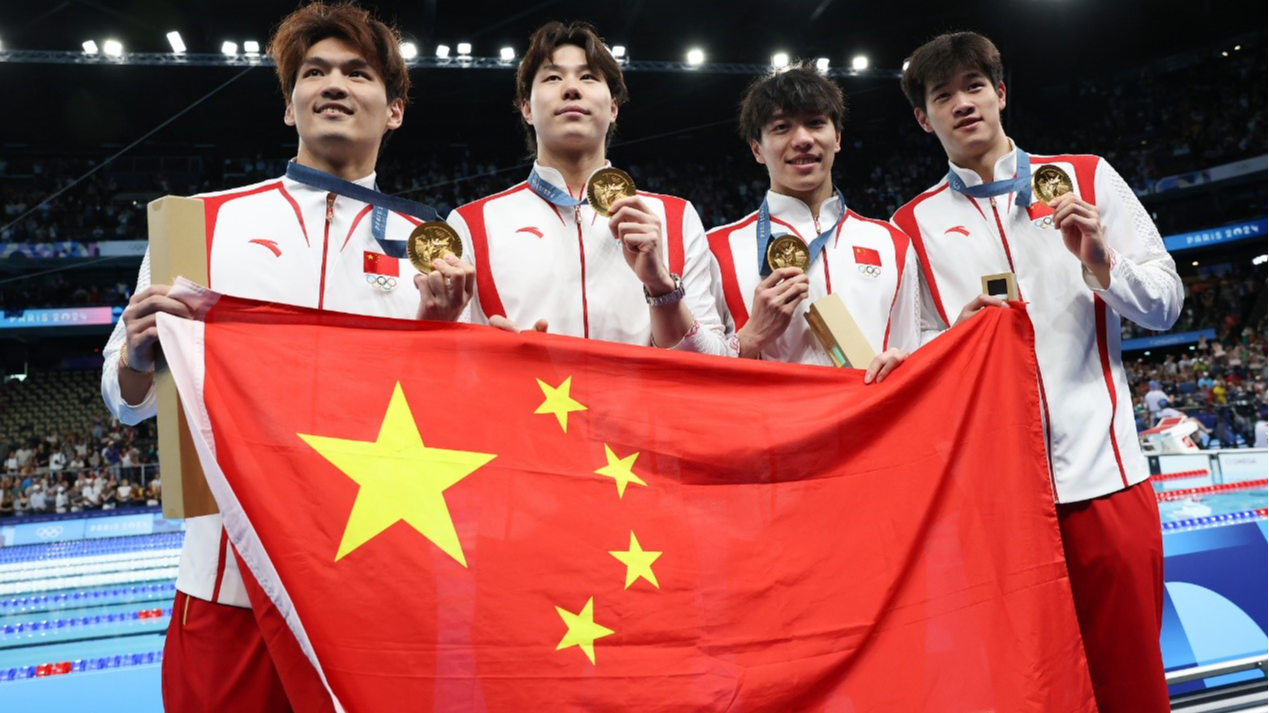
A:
(1006, 168)
(555, 178)
(798, 214)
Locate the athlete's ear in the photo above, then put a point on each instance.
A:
(526, 112)
(1000, 94)
(288, 116)
(923, 120)
(756, 147)
(396, 113)
(837, 143)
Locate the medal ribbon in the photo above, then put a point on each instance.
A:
(816, 246)
(1021, 182)
(382, 203)
(550, 193)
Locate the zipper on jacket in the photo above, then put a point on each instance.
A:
(330, 218)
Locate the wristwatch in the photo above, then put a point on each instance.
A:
(668, 298)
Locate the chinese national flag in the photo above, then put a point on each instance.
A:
(380, 264)
(867, 256)
(456, 518)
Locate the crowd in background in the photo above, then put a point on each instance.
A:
(102, 467)
(1221, 383)
(1152, 124)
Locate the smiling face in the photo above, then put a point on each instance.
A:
(963, 111)
(798, 152)
(570, 106)
(340, 106)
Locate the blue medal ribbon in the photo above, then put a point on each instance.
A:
(551, 193)
(765, 237)
(382, 203)
(1021, 182)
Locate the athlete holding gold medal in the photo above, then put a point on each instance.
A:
(1085, 254)
(576, 249)
(803, 243)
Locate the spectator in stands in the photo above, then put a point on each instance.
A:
(6, 499)
(123, 494)
(57, 461)
(38, 502)
(1156, 400)
(61, 502)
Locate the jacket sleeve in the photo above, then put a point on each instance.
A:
(130, 414)
(905, 313)
(472, 313)
(708, 335)
(1144, 285)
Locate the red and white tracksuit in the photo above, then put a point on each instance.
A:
(1110, 528)
(869, 263)
(285, 242)
(535, 260)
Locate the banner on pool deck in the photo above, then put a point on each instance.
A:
(469, 519)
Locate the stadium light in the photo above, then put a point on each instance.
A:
(251, 47)
(1195, 263)
(822, 65)
(90, 47)
(229, 49)
(619, 51)
(507, 54)
(409, 50)
(442, 51)
(859, 63)
(174, 39)
(464, 49)
(1260, 259)
(696, 57)
(780, 60)
(1237, 47)
(112, 48)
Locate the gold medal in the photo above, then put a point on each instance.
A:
(431, 240)
(788, 251)
(606, 186)
(1048, 182)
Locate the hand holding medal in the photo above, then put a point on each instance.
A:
(611, 192)
(446, 283)
(1078, 220)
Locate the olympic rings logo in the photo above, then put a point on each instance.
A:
(1044, 223)
(48, 533)
(381, 282)
(873, 271)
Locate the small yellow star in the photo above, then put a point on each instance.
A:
(582, 629)
(638, 562)
(558, 401)
(620, 470)
(398, 478)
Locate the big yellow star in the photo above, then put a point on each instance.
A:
(620, 470)
(558, 401)
(582, 629)
(638, 562)
(399, 479)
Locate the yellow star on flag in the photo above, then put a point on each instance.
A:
(638, 562)
(399, 479)
(558, 401)
(620, 470)
(582, 629)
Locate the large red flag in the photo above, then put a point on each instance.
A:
(456, 518)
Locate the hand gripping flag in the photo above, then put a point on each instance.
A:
(455, 518)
